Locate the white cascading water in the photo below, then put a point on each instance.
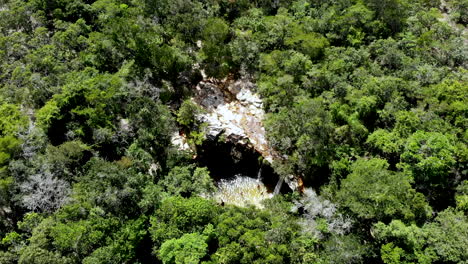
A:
(242, 191)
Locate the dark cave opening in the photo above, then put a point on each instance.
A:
(225, 160)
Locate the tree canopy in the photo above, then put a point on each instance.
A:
(365, 106)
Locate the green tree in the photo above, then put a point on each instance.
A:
(430, 156)
(461, 196)
(459, 11)
(109, 185)
(188, 249)
(303, 132)
(246, 235)
(215, 52)
(177, 216)
(311, 44)
(448, 235)
(442, 240)
(187, 181)
(68, 236)
(87, 103)
(12, 121)
(402, 243)
(187, 113)
(124, 244)
(390, 12)
(373, 192)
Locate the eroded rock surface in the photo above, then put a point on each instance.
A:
(234, 110)
(179, 141)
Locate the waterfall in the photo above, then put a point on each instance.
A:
(241, 191)
(278, 186)
(259, 174)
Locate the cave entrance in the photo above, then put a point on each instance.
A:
(226, 160)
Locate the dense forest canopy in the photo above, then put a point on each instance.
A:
(365, 100)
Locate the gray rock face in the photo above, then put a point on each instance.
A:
(209, 96)
(180, 142)
(235, 110)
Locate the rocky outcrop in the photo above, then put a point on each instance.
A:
(234, 110)
(180, 141)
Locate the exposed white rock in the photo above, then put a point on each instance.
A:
(235, 110)
(154, 169)
(124, 125)
(199, 44)
(250, 99)
(180, 142)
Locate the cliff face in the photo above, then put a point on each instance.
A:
(234, 111)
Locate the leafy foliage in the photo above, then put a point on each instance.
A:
(372, 192)
(365, 102)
